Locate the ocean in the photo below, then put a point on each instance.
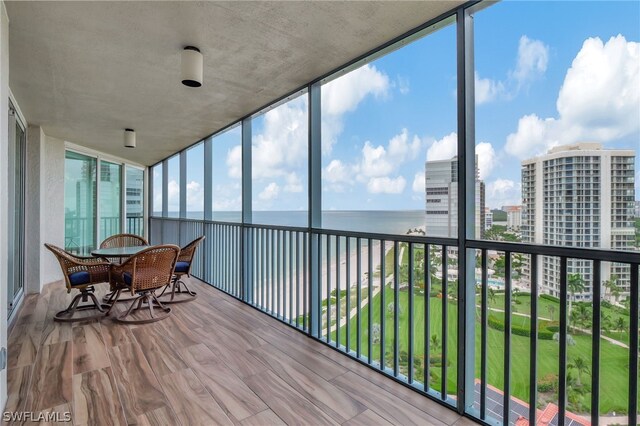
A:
(377, 221)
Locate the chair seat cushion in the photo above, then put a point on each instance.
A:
(127, 278)
(182, 267)
(79, 278)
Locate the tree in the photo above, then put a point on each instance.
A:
(435, 342)
(612, 285)
(552, 311)
(620, 325)
(581, 366)
(575, 284)
(492, 295)
(583, 315)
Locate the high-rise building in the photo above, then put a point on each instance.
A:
(441, 186)
(488, 218)
(579, 195)
(514, 217)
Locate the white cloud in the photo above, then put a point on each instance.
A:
(380, 161)
(344, 94)
(419, 183)
(282, 145)
(173, 195)
(531, 63)
(337, 172)
(599, 100)
(487, 90)
(234, 162)
(502, 192)
(486, 159)
(443, 149)
(386, 185)
(533, 58)
(403, 85)
(270, 192)
(375, 161)
(401, 149)
(293, 183)
(195, 197)
(227, 196)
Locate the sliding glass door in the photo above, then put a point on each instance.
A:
(134, 201)
(79, 203)
(110, 199)
(17, 146)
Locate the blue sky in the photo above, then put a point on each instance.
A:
(547, 73)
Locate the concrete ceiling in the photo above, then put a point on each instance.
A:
(85, 71)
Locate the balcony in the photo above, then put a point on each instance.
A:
(330, 290)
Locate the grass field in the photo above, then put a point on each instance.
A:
(613, 359)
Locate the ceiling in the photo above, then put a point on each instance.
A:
(85, 71)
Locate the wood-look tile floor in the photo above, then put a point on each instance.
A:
(213, 361)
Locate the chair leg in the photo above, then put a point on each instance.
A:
(85, 295)
(137, 305)
(178, 293)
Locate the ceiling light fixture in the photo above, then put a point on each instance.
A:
(192, 63)
(129, 138)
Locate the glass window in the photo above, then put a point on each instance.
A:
(156, 173)
(173, 190)
(389, 141)
(227, 175)
(79, 203)
(280, 163)
(110, 199)
(135, 201)
(195, 182)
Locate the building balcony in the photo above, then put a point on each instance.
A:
(343, 163)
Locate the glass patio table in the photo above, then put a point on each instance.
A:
(117, 252)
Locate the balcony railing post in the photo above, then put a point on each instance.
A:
(246, 251)
(315, 204)
(465, 360)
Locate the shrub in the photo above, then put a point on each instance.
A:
(549, 297)
(548, 383)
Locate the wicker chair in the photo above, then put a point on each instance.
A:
(80, 273)
(183, 267)
(120, 240)
(142, 274)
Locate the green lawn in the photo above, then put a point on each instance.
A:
(613, 359)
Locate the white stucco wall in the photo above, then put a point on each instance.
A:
(4, 190)
(33, 241)
(52, 206)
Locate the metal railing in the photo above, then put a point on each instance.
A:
(79, 230)
(393, 302)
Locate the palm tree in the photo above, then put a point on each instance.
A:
(492, 295)
(581, 366)
(620, 325)
(552, 311)
(576, 284)
(612, 285)
(583, 315)
(435, 342)
(606, 322)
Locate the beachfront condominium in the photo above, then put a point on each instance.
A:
(441, 186)
(579, 195)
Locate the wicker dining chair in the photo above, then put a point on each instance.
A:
(120, 240)
(142, 274)
(80, 273)
(183, 267)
